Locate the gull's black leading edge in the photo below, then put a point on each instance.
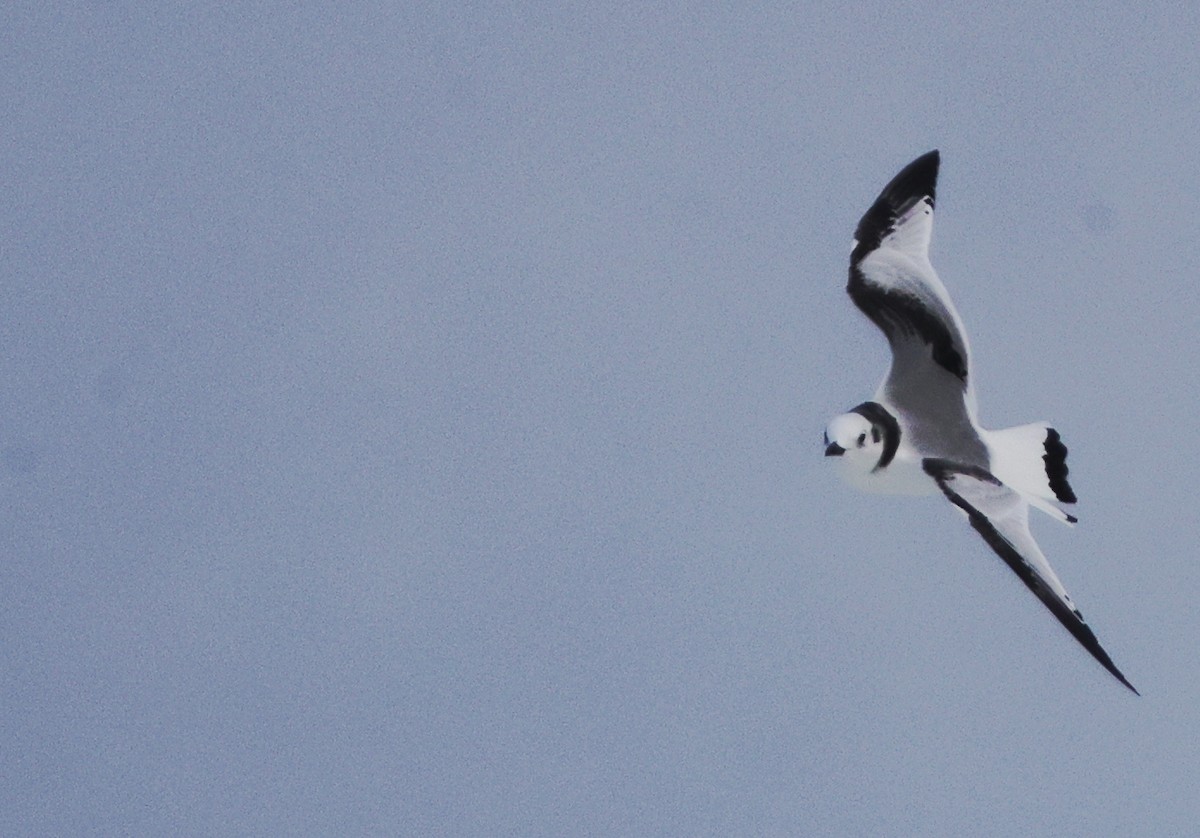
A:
(947, 476)
(904, 310)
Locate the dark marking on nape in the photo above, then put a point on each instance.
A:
(915, 182)
(899, 314)
(882, 421)
(1056, 466)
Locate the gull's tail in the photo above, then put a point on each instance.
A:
(1033, 460)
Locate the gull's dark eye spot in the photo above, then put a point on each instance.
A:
(875, 434)
(861, 439)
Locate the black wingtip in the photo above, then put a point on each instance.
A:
(1116, 672)
(1102, 657)
(915, 181)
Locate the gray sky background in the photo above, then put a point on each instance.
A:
(410, 420)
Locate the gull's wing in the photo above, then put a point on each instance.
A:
(1001, 516)
(893, 283)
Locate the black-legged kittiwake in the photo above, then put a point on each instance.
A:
(920, 434)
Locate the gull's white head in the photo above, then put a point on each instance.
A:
(856, 442)
(864, 442)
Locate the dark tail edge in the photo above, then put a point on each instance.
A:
(1056, 466)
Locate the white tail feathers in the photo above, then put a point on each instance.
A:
(1033, 460)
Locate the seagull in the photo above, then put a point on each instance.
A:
(920, 433)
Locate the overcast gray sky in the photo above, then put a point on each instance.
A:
(410, 420)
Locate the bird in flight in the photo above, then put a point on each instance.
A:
(920, 433)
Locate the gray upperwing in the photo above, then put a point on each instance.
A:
(904, 297)
(1001, 516)
(938, 414)
(894, 284)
